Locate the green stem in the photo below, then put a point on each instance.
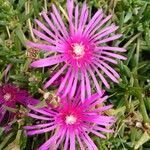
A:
(142, 105)
(143, 109)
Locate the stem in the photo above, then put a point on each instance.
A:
(140, 97)
(27, 10)
(131, 40)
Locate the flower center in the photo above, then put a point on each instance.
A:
(70, 120)
(78, 50)
(7, 96)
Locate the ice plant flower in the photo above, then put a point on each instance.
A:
(10, 95)
(72, 121)
(81, 48)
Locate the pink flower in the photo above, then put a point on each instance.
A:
(72, 120)
(10, 95)
(80, 46)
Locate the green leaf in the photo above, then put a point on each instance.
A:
(144, 138)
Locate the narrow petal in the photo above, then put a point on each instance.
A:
(60, 20)
(102, 31)
(100, 36)
(102, 108)
(45, 62)
(72, 141)
(49, 142)
(69, 86)
(62, 85)
(52, 26)
(55, 76)
(101, 77)
(40, 111)
(103, 129)
(95, 81)
(76, 17)
(109, 48)
(59, 141)
(100, 24)
(38, 126)
(86, 142)
(90, 141)
(105, 58)
(42, 26)
(88, 86)
(110, 69)
(96, 102)
(63, 33)
(66, 141)
(97, 134)
(44, 47)
(79, 141)
(114, 55)
(41, 131)
(112, 38)
(83, 18)
(98, 14)
(73, 89)
(39, 117)
(70, 6)
(44, 37)
(106, 72)
(82, 87)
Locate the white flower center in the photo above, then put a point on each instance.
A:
(78, 50)
(7, 96)
(70, 120)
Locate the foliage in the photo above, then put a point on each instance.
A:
(131, 98)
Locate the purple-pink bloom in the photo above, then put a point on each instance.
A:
(80, 46)
(10, 95)
(72, 121)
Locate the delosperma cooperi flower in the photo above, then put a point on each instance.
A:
(80, 47)
(10, 95)
(71, 122)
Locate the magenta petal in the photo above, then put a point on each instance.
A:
(72, 141)
(69, 86)
(73, 89)
(95, 81)
(38, 126)
(76, 17)
(100, 24)
(55, 76)
(42, 26)
(48, 143)
(82, 88)
(101, 77)
(43, 47)
(90, 141)
(48, 61)
(79, 141)
(60, 20)
(43, 36)
(39, 117)
(66, 141)
(88, 87)
(108, 48)
(41, 131)
(52, 26)
(62, 85)
(103, 129)
(112, 38)
(110, 69)
(106, 72)
(114, 55)
(40, 111)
